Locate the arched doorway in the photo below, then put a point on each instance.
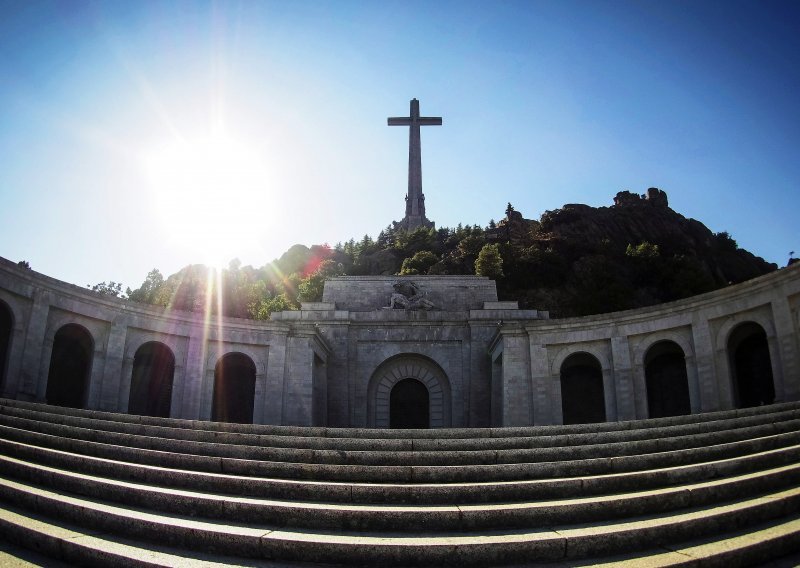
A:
(6, 329)
(667, 380)
(234, 389)
(151, 380)
(409, 405)
(582, 393)
(70, 365)
(751, 366)
(404, 367)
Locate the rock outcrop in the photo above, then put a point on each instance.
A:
(635, 219)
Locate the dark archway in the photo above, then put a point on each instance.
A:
(582, 394)
(409, 405)
(667, 380)
(234, 389)
(751, 366)
(70, 366)
(151, 380)
(399, 368)
(6, 329)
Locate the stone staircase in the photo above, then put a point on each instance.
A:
(96, 488)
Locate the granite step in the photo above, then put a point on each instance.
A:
(401, 474)
(388, 517)
(396, 492)
(64, 542)
(550, 543)
(546, 437)
(415, 434)
(683, 491)
(666, 441)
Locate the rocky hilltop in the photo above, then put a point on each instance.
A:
(634, 219)
(576, 260)
(580, 260)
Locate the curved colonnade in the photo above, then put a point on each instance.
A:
(64, 345)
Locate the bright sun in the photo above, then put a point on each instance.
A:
(208, 192)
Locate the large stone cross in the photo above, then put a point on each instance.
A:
(415, 200)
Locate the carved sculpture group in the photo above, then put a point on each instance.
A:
(408, 295)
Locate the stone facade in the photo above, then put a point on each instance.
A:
(337, 362)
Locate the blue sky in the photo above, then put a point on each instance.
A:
(136, 135)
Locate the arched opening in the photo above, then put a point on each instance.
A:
(409, 405)
(151, 380)
(582, 394)
(234, 389)
(667, 380)
(70, 365)
(404, 367)
(751, 366)
(6, 328)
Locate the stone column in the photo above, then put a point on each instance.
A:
(787, 386)
(707, 372)
(32, 374)
(11, 384)
(44, 369)
(639, 381)
(189, 387)
(625, 404)
(276, 363)
(541, 385)
(695, 398)
(112, 381)
(610, 394)
(299, 383)
(125, 384)
(516, 379)
(96, 374)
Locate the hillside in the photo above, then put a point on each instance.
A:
(577, 260)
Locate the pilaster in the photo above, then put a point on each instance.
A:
(32, 372)
(516, 395)
(188, 389)
(625, 404)
(276, 370)
(705, 355)
(109, 395)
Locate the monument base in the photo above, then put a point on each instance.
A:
(413, 222)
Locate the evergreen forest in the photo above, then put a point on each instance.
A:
(574, 261)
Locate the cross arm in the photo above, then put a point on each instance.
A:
(422, 121)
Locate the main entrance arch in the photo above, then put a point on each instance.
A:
(395, 396)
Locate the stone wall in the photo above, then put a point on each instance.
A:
(334, 363)
(700, 326)
(283, 352)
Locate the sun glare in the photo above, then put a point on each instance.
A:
(208, 193)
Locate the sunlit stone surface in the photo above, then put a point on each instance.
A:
(482, 362)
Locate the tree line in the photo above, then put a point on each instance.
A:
(530, 261)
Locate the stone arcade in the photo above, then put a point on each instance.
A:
(453, 355)
(421, 352)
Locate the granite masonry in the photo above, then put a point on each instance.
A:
(380, 351)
